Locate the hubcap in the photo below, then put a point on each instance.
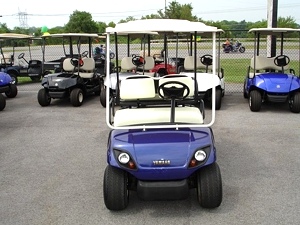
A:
(80, 97)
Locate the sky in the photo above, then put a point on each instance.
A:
(53, 13)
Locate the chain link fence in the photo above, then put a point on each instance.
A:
(234, 63)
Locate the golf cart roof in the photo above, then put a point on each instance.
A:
(84, 35)
(15, 36)
(272, 30)
(162, 26)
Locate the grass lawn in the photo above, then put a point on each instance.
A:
(235, 70)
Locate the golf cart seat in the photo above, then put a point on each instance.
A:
(88, 68)
(126, 64)
(189, 63)
(145, 89)
(264, 64)
(6, 59)
(67, 65)
(149, 65)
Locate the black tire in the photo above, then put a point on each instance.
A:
(294, 103)
(103, 97)
(209, 186)
(255, 100)
(43, 97)
(76, 97)
(218, 99)
(242, 49)
(115, 191)
(2, 102)
(13, 91)
(244, 90)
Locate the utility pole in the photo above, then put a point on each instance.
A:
(165, 7)
(272, 22)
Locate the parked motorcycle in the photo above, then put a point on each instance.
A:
(234, 47)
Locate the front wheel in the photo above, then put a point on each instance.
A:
(43, 97)
(218, 99)
(76, 97)
(245, 90)
(13, 91)
(242, 49)
(115, 191)
(103, 97)
(209, 186)
(2, 102)
(294, 103)
(255, 101)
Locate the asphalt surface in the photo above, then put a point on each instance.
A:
(52, 161)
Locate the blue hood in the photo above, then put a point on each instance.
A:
(277, 82)
(5, 79)
(177, 146)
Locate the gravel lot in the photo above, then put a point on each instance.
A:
(52, 161)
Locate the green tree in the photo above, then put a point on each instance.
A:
(81, 22)
(177, 11)
(4, 28)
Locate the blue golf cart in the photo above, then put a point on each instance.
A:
(161, 149)
(271, 79)
(8, 87)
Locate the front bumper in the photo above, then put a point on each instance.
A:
(163, 190)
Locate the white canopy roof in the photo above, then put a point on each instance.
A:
(85, 35)
(272, 30)
(162, 25)
(15, 36)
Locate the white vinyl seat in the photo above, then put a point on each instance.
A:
(263, 64)
(67, 65)
(142, 87)
(149, 65)
(189, 63)
(6, 59)
(88, 68)
(126, 64)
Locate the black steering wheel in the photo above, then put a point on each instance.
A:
(281, 60)
(21, 56)
(75, 62)
(85, 54)
(138, 60)
(206, 59)
(173, 90)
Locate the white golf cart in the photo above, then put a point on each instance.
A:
(203, 66)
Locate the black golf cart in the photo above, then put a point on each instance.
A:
(77, 77)
(22, 67)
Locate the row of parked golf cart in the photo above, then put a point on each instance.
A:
(261, 84)
(161, 144)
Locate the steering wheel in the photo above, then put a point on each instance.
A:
(75, 62)
(173, 90)
(281, 60)
(21, 56)
(85, 54)
(111, 55)
(206, 59)
(138, 60)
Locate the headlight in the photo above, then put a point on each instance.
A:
(123, 158)
(200, 155)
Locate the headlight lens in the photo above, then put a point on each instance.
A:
(123, 158)
(200, 155)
